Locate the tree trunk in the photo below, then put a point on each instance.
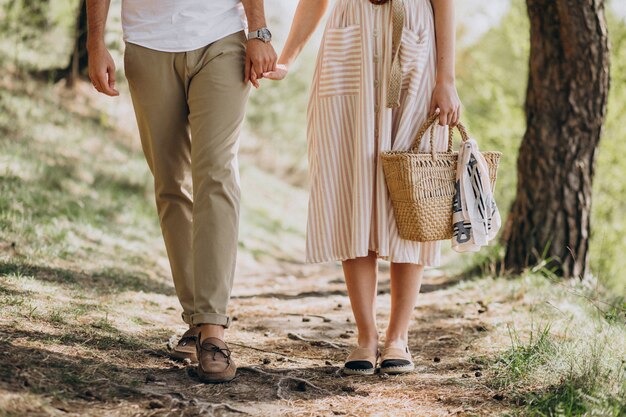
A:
(565, 109)
(77, 66)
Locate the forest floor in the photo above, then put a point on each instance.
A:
(293, 330)
(88, 311)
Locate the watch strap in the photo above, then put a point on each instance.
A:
(258, 34)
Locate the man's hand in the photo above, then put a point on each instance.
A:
(102, 70)
(260, 58)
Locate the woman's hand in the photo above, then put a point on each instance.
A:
(446, 99)
(278, 74)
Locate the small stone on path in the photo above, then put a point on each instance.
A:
(155, 404)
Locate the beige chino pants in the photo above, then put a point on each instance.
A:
(190, 107)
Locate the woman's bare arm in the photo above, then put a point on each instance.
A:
(308, 16)
(445, 97)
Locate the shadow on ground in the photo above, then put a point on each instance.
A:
(129, 373)
(95, 369)
(383, 288)
(102, 282)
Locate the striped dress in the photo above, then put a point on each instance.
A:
(350, 212)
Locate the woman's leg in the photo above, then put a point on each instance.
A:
(361, 280)
(406, 280)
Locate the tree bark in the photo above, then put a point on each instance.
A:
(565, 110)
(78, 64)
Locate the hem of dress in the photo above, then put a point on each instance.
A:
(342, 258)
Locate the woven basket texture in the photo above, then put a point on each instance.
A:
(422, 187)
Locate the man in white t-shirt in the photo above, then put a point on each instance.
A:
(188, 65)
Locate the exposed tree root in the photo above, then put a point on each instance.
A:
(279, 385)
(317, 342)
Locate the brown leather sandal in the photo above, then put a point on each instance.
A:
(186, 347)
(215, 364)
(361, 362)
(396, 361)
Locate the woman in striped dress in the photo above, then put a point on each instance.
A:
(357, 110)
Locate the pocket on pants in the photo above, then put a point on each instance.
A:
(128, 50)
(340, 73)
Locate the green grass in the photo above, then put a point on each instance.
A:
(65, 193)
(573, 363)
(104, 324)
(523, 357)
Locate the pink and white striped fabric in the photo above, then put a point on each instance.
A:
(350, 212)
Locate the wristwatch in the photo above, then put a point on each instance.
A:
(262, 34)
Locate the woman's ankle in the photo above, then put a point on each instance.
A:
(368, 342)
(396, 341)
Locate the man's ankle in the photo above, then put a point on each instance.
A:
(211, 330)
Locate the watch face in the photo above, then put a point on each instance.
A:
(266, 34)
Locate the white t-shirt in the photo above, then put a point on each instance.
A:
(180, 25)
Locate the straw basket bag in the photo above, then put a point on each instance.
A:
(422, 186)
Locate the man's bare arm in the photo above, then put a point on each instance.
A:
(101, 65)
(261, 56)
(255, 12)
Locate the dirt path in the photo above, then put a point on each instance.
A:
(292, 331)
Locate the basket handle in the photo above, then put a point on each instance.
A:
(429, 123)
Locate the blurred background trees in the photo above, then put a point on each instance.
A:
(38, 29)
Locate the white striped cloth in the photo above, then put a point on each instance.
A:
(350, 212)
(475, 218)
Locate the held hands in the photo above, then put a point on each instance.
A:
(446, 99)
(278, 74)
(260, 59)
(102, 70)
